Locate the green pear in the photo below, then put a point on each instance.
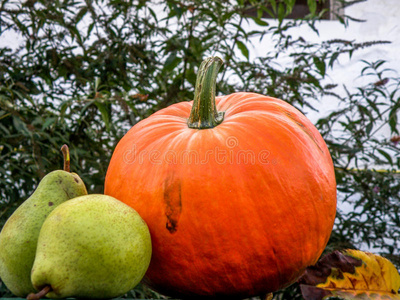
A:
(92, 246)
(18, 238)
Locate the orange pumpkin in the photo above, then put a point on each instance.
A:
(238, 191)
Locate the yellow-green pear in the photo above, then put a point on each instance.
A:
(18, 238)
(92, 246)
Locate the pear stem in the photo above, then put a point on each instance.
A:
(43, 292)
(65, 151)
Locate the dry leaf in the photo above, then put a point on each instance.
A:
(351, 275)
(269, 296)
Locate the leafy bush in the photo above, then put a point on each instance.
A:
(84, 72)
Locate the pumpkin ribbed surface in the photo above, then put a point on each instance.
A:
(237, 210)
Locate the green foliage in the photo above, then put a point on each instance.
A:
(84, 72)
(362, 136)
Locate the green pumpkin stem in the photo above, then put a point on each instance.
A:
(204, 112)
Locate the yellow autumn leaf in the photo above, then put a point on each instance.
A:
(351, 275)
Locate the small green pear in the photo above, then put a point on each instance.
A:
(18, 238)
(92, 246)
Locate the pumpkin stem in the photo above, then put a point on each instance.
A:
(204, 112)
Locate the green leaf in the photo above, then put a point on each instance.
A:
(386, 155)
(312, 5)
(333, 59)
(260, 22)
(154, 15)
(281, 12)
(369, 128)
(273, 4)
(259, 13)
(20, 126)
(393, 118)
(48, 122)
(104, 114)
(290, 5)
(320, 64)
(63, 107)
(81, 14)
(227, 16)
(172, 62)
(242, 47)
(90, 28)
